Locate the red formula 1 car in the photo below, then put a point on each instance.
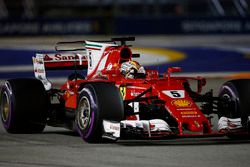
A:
(118, 98)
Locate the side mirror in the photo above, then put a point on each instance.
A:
(200, 83)
(172, 70)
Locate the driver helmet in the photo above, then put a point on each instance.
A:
(130, 68)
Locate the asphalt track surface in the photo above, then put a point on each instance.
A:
(62, 148)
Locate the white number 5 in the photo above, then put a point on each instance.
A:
(174, 93)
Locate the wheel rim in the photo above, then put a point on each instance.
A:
(84, 113)
(5, 109)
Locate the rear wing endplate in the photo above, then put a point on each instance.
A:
(57, 61)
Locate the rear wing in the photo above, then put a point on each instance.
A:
(75, 55)
(81, 54)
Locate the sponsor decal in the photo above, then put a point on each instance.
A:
(197, 124)
(90, 60)
(185, 109)
(114, 127)
(37, 70)
(188, 112)
(47, 58)
(37, 61)
(135, 93)
(182, 103)
(60, 57)
(135, 106)
(190, 116)
(109, 67)
(123, 91)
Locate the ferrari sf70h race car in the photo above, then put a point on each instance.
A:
(119, 99)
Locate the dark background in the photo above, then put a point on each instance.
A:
(119, 17)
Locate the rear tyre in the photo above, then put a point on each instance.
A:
(96, 102)
(235, 95)
(23, 106)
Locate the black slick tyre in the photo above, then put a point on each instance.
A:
(97, 102)
(235, 95)
(23, 106)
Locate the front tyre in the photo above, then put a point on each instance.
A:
(96, 102)
(235, 97)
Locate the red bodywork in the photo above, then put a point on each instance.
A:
(167, 89)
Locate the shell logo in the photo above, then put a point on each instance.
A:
(182, 103)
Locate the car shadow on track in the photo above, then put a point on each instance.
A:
(184, 142)
(66, 133)
(161, 142)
